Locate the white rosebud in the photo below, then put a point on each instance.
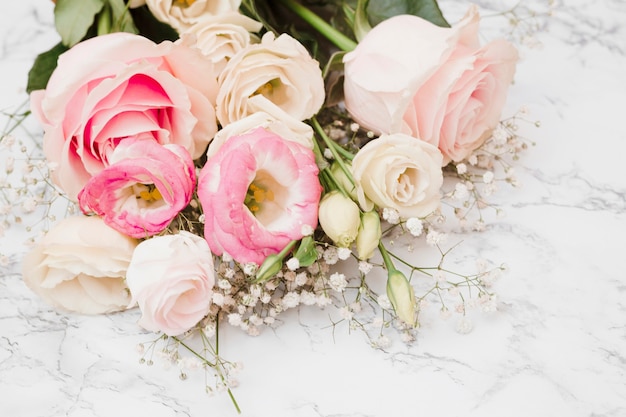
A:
(369, 235)
(339, 218)
(401, 296)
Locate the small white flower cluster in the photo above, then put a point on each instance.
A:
(470, 183)
(27, 196)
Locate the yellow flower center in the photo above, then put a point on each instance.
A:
(183, 3)
(147, 192)
(256, 195)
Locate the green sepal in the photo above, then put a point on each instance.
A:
(306, 253)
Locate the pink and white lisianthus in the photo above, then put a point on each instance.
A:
(143, 189)
(258, 192)
(114, 87)
(171, 278)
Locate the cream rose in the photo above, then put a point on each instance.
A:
(222, 36)
(277, 76)
(399, 172)
(436, 84)
(80, 266)
(182, 14)
(171, 278)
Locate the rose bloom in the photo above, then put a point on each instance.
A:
(437, 84)
(275, 76)
(183, 14)
(80, 265)
(258, 192)
(171, 278)
(143, 189)
(222, 36)
(399, 172)
(118, 86)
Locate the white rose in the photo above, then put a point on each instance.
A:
(171, 278)
(400, 172)
(80, 266)
(182, 14)
(287, 127)
(222, 36)
(275, 76)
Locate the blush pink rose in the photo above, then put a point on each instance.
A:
(119, 86)
(171, 278)
(257, 193)
(436, 84)
(143, 189)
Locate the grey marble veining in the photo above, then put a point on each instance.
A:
(555, 347)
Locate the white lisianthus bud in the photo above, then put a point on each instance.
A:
(340, 218)
(369, 235)
(402, 296)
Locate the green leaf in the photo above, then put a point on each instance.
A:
(122, 19)
(428, 9)
(73, 18)
(42, 68)
(150, 27)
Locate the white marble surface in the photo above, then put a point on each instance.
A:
(556, 347)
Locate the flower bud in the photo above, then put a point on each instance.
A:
(369, 235)
(340, 218)
(344, 182)
(402, 297)
(270, 267)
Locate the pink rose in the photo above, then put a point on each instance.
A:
(145, 186)
(437, 84)
(114, 87)
(257, 192)
(171, 278)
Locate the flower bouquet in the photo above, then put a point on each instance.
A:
(220, 162)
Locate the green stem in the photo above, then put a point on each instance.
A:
(333, 149)
(339, 39)
(216, 366)
(386, 258)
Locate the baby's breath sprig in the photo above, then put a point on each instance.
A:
(524, 21)
(470, 183)
(28, 198)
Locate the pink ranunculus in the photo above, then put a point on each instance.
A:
(118, 86)
(257, 193)
(437, 84)
(145, 186)
(171, 278)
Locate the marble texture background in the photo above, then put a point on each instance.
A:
(555, 347)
